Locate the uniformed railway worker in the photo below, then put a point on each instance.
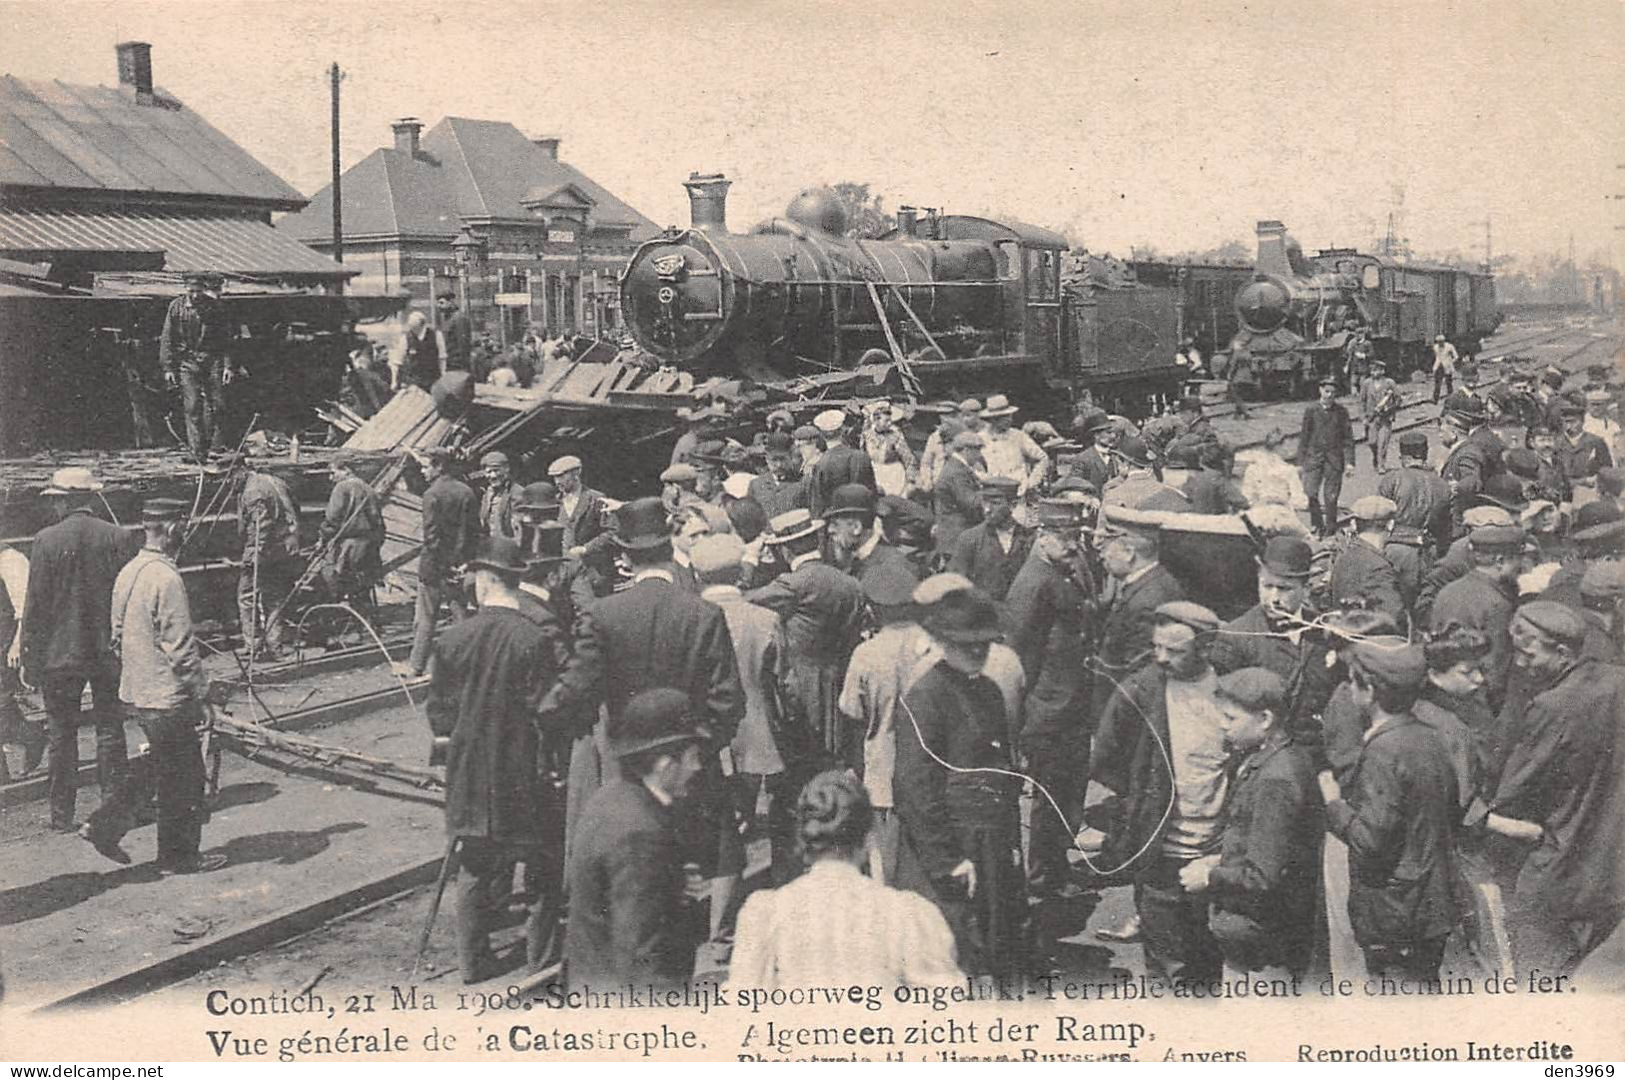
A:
(991, 552)
(1483, 600)
(1475, 452)
(1362, 577)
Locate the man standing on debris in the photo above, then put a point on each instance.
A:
(162, 686)
(450, 526)
(268, 526)
(490, 673)
(65, 636)
(192, 352)
(353, 534)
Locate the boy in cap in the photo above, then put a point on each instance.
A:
(1045, 613)
(960, 826)
(1560, 797)
(1362, 576)
(1167, 713)
(1261, 883)
(490, 673)
(876, 677)
(991, 552)
(822, 613)
(1325, 452)
(1398, 820)
(1483, 599)
(162, 686)
(840, 463)
(626, 923)
(64, 644)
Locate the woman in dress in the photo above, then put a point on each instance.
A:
(832, 925)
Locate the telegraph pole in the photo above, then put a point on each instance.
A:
(338, 188)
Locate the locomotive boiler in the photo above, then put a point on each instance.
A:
(947, 303)
(1299, 315)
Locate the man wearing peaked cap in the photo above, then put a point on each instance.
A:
(991, 552)
(626, 866)
(840, 463)
(1402, 811)
(1325, 451)
(1569, 895)
(1262, 882)
(821, 611)
(907, 527)
(64, 641)
(962, 828)
(957, 497)
(1475, 454)
(1045, 614)
(161, 685)
(1421, 496)
(1483, 599)
(1168, 707)
(1579, 453)
(1362, 577)
(679, 482)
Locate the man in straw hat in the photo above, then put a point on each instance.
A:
(65, 636)
(162, 686)
(626, 871)
(957, 805)
(822, 612)
(1167, 711)
(1401, 811)
(490, 673)
(1566, 855)
(1009, 451)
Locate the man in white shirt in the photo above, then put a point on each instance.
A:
(1598, 422)
(1010, 452)
(1444, 366)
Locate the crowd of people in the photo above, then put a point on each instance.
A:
(961, 683)
(946, 687)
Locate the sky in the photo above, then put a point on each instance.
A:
(1177, 125)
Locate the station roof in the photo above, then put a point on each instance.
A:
(464, 169)
(59, 138)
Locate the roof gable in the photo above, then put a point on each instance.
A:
(560, 197)
(60, 137)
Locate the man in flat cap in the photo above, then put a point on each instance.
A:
(1045, 612)
(960, 826)
(1362, 576)
(268, 528)
(1379, 401)
(1261, 883)
(1325, 451)
(821, 610)
(626, 867)
(490, 673)
(678, 486)
(957, 497)
(352, 533)
(1399, 819)
(581, 508)
(192, 350)
(1279, 634)
(162, 686)
(992, 551)
(1167, 712)
(451, 527)
(1457, 559)
(1483, 600)
(1602, 600)
(1560, 797)
(781, 487)
(1475, 452)
(64, 644)
(840, 463)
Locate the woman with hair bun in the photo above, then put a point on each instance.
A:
(832, 925)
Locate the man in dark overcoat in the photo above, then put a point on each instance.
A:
(1325, 451)
(1139, 585)
(1483, 600)
(1362, 577)
(490, 673)
(626, 868)
(450, 528)
(957, 497)
(1475, 453)
(66, 635)
(353, 531)
(991, 552)
(1421, 496)
(840, 463)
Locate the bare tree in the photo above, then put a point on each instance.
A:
(866, 214)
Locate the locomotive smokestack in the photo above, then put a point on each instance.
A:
(907, 221)
(1272, 256)
(708, 201)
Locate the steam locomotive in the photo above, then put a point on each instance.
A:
(1298, 314)
(942, 305)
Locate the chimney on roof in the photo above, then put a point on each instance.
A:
(549, 145)
(135, 67)
(407, 129)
